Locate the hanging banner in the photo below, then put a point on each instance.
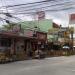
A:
(40, 15)
(72, 19)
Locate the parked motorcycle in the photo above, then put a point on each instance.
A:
(39, 54)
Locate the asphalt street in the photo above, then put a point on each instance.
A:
(48, 66)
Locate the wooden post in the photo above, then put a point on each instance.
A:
(12, 51)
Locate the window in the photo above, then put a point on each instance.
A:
(5, 42)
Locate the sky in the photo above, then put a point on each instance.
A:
(59, 17)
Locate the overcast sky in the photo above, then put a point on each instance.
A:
(61, 17)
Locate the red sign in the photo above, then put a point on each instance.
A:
(72, 19)
(41, 36)
(28, 33)
(41, 15)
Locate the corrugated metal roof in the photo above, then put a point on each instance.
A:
(43, 25)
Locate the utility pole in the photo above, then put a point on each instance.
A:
(72, 38)
(72, 31)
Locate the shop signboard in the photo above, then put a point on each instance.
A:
(41, 15)
(28, 33)
(72, 18)
(41, 36)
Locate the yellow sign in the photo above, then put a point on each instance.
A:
(71, 29)
(53, 30)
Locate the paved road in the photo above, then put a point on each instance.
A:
(48, 66)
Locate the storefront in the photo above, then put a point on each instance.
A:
(34, 42)
(20, 47)
(12, 45)
(42, 40)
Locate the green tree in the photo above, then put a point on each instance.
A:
(9, 26)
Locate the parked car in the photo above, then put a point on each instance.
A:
(66, 47)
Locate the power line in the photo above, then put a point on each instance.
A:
(9, 15)
(29, 6)
(2, 13)
(55, 10)
(43, 10)
(42, 7)
(28, 3)
(21, 12)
